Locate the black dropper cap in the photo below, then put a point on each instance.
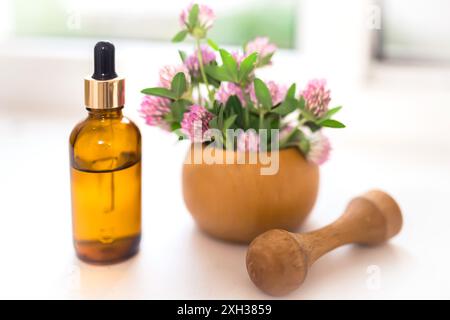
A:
(104, 65)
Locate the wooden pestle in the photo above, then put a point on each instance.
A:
(278, 260)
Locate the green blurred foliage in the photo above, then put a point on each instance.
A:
(275, 19)
(271, 20)
(40, 17)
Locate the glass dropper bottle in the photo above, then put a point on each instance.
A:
(105, 160)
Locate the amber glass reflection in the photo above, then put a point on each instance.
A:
(105, 158)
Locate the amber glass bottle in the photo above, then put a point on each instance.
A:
(105, 158)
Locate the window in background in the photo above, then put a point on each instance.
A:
(238, 21)
(415, 30)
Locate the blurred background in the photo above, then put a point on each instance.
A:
(389, 46)
(386, 61)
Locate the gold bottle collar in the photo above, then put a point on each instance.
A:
(107, 94)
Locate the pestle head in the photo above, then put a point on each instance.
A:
(276, 262)
(390, 210)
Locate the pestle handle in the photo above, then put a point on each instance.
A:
(278, 260)
(368, 220)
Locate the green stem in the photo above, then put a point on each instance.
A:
(199, 93)
(202, 68)
(302, 122)
(246, 118)
(261, 119)
(284, 141)
(246, 109)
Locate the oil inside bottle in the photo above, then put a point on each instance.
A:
(106, 208)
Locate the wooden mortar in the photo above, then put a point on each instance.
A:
(235, 202)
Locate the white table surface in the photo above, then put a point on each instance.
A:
(397, 139)
(176, 260)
